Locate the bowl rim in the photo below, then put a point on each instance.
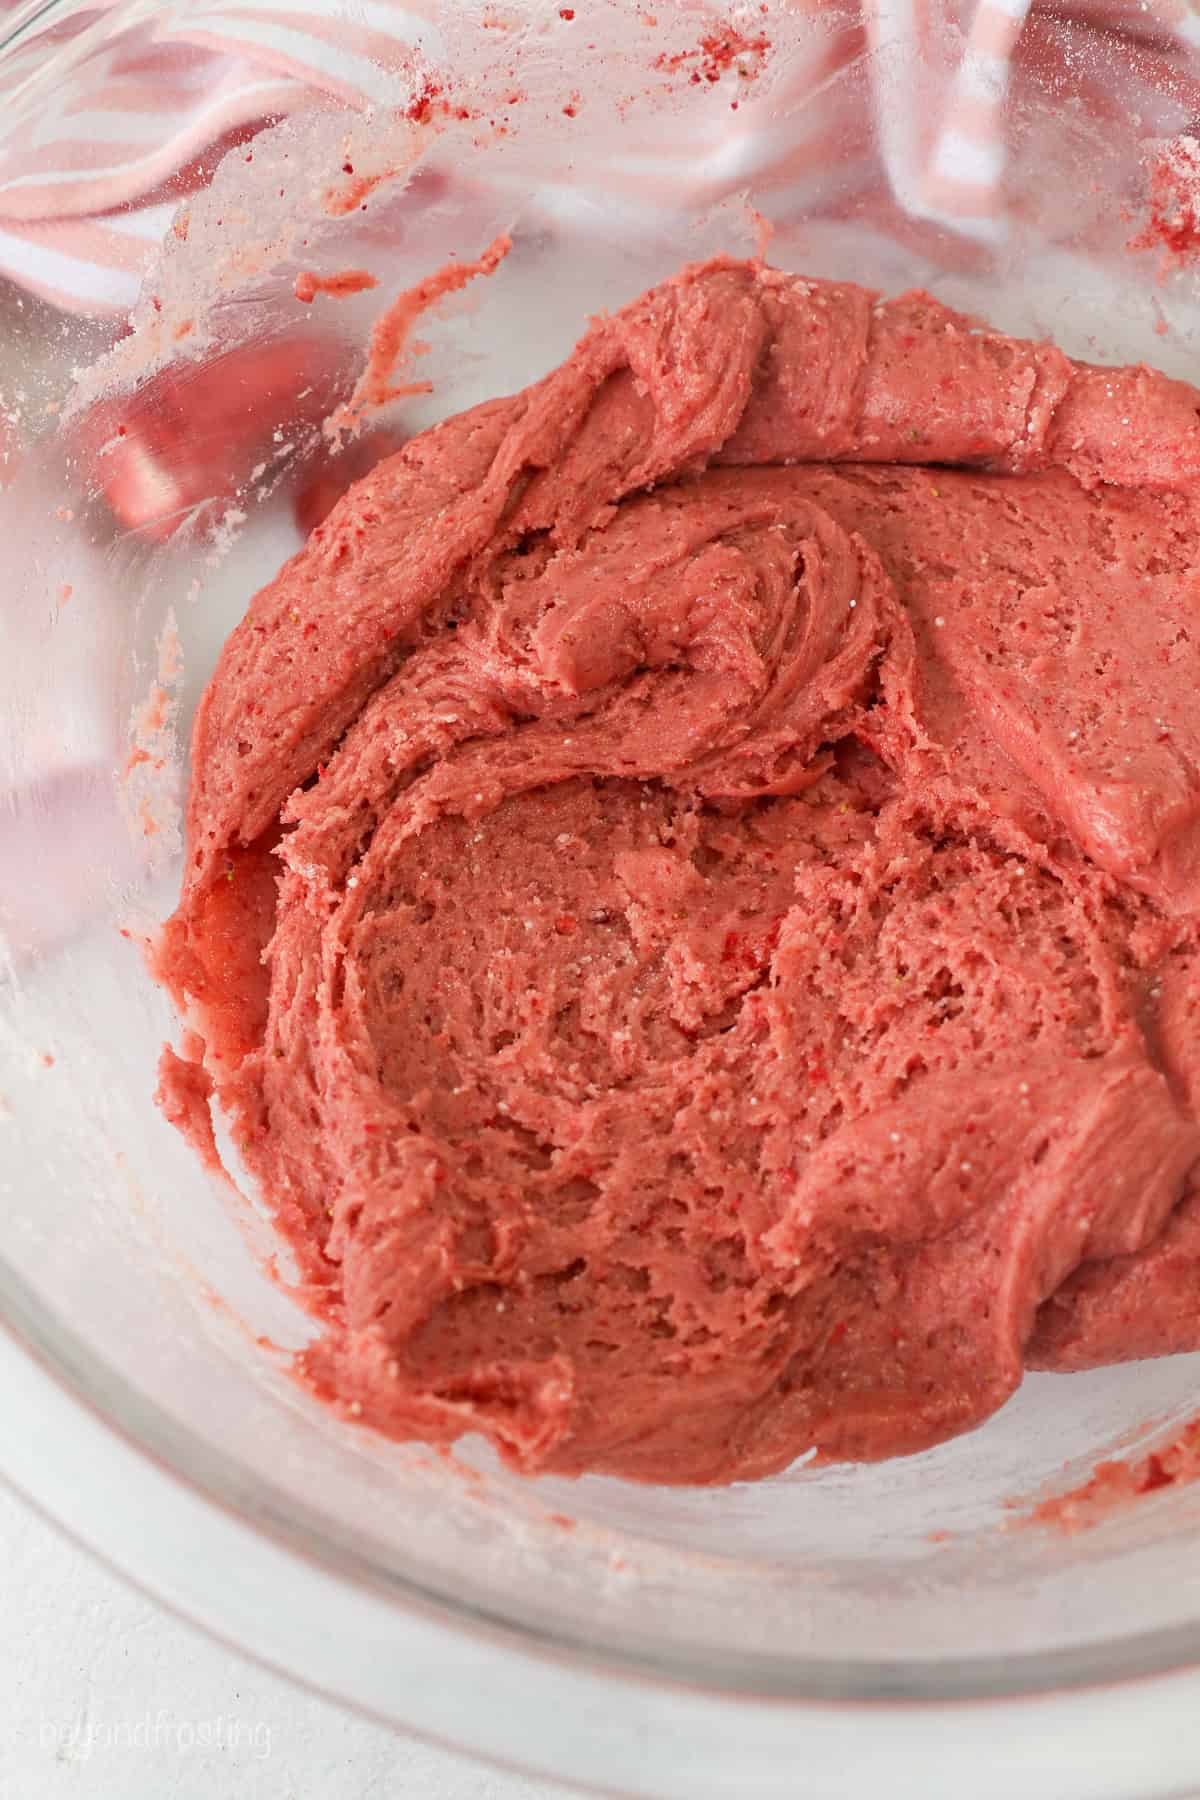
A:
(1090, 1726)
(274, 1511)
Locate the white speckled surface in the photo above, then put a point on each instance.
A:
(109, 1697)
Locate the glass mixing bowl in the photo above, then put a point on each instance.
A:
(815, 1630)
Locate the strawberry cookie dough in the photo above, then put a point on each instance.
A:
(692, 890)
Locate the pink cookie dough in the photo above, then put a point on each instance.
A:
(692, 890)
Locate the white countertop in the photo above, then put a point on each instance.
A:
(109, 1697)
